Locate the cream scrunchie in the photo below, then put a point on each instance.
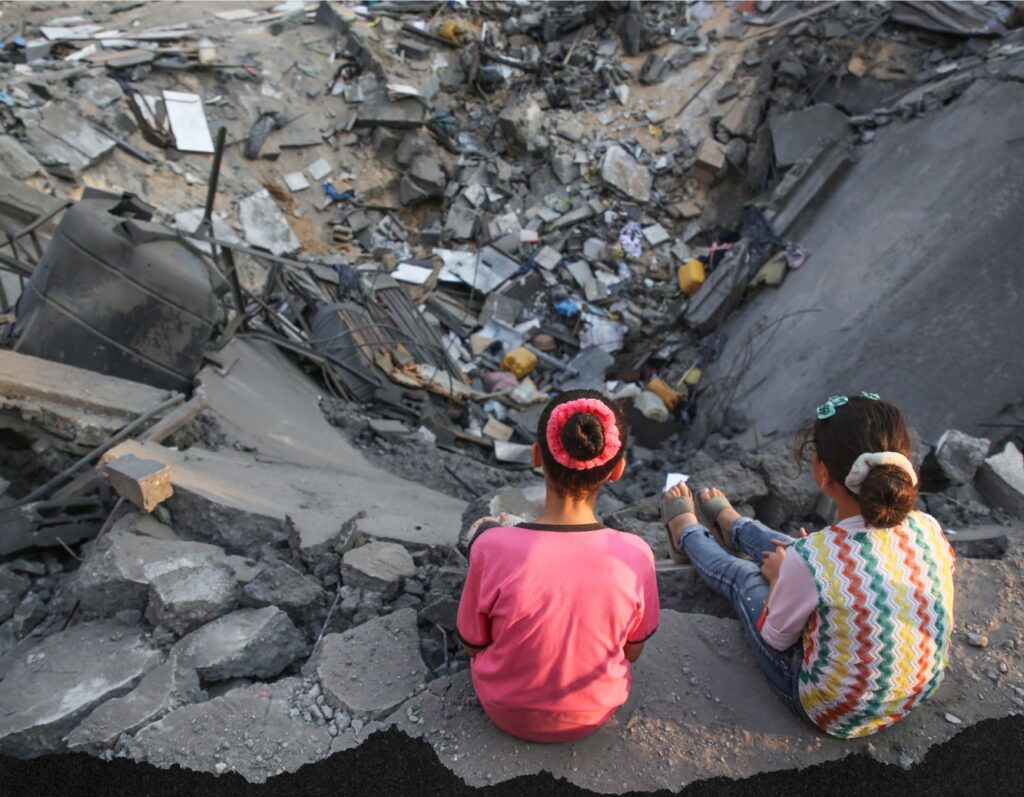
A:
(865, 462)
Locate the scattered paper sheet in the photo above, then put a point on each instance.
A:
(672, 479)
(415, 275)
(188, 121)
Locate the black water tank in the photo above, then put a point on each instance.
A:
(117, 294)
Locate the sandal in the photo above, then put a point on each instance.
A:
(669, 511)
(708, 512)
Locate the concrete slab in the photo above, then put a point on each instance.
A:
(247, 643)
(119, 569)
(794, 133)
(80, 407)
(700, 708)
(57, 683)
(162, 690)
(893, 261)
(370, 669)
(248, 403)
(250, 731)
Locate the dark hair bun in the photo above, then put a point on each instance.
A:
(583, 436)
(887, 496)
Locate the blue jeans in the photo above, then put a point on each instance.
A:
(740, 581)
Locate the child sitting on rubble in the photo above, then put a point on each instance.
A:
(851, 625)
(554, 611)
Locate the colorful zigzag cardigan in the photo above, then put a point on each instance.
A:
(878, 642)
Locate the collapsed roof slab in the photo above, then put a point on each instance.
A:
(82, 408)
(292, 464)
(912, 289)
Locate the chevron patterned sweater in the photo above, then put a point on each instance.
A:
(878, 642)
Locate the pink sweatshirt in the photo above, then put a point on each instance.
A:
(553, 607)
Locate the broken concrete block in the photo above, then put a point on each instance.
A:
(16, 161)
(656, 234)
(319, 169)
(461, 221)
(248, 643)
(621, 171)
(425, 180)
(389, 428)
(442, 610)
(795, 134)
(189, 597)
(743, 485)
(79, 408)
(548, 258)
(296, 181)
(710, 159)
(12, 588)
(736, 152)
(250, 730)
(371, 668)
(743, 117)
(28, 614)
(213, 501)
(280, 585)
(792, 491)
(960, 455)
(160, 691)
(381, 112)
(118, 570)
(264, 225)
(1001, 480)
(377, 566)
(320, 550)
(564, 169)
(144, 482)
(54, 685)
(497, 430)
(520, 123)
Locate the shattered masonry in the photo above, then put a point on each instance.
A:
(284, 288)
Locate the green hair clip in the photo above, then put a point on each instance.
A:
(828, 409)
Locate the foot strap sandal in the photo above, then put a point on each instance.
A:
(708, 514)
(669, 511)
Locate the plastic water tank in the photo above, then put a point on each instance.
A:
(120, 295)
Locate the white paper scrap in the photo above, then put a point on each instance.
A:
(672, 479)
(188, 121)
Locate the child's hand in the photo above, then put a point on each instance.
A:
(773, 562)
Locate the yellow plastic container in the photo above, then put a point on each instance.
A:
(692, 377)
(691, 276)
(519, 362)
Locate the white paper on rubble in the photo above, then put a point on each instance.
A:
(188, 121)
(412, 274)
(672, 479)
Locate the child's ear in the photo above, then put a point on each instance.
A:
(538, 460)
(617, 471)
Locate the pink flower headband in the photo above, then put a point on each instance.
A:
(560, 416)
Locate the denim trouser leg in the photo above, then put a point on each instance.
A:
(752, 537)
(740, 581)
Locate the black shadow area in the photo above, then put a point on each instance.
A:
(987, 758)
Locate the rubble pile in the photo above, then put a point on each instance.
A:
(286, 286)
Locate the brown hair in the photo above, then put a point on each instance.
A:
(860, 426)
(583, 438)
